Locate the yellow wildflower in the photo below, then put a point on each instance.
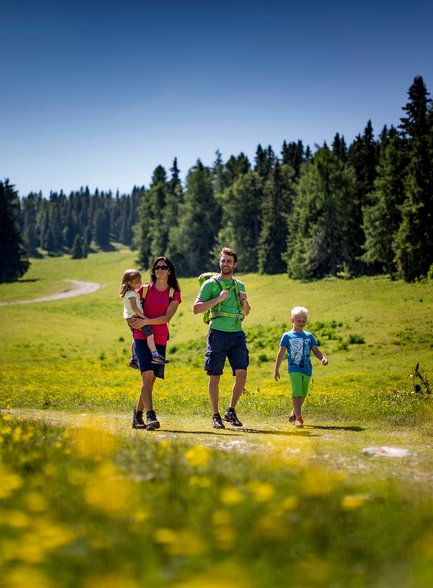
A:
(200, 481)
(9, 481)
(198, 456)
(353, 501)
(231, 495)
(262, 491)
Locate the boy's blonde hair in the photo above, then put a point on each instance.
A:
(298, 310)
(129, 277)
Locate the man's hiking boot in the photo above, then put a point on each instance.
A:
(231, 417)
(133, 362)
(158, 358)
(137, 420)
(299, 423)
(217, 422)
(152, 422)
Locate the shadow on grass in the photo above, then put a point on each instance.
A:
(232, 433)
(302, 432)
(335, 428)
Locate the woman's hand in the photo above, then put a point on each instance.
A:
(137, 323)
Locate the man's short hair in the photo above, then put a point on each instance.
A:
(228, 251)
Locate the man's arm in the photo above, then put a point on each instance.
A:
(245, 307)
(204, 305)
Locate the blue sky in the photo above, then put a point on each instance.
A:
(98, 93)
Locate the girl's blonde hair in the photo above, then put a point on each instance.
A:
(129, 277)
(298, 310)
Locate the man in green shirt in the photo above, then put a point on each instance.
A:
(226, 300)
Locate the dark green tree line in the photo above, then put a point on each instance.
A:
(351, 209)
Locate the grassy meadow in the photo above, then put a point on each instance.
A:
(87, 501)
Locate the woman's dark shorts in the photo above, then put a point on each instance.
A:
(222, 345)
(144, 357)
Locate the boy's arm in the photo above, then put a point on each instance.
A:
(279, 359)
(319, 354)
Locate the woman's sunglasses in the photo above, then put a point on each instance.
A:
(161, 267)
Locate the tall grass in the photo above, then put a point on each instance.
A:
(84, 508)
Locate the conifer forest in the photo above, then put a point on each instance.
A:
(334, 210)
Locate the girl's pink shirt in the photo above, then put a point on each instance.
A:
(156, 304)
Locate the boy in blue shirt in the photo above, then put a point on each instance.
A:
(298, 344)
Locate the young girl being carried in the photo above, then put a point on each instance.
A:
(132, 307)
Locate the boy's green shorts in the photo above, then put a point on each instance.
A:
(300, 383)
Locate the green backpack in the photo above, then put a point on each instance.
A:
(216, 311)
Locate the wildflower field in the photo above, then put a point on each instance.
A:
(87, 501)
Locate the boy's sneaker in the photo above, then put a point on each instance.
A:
(292, 419)
(137, 420)
(158, 358)
(299, 423)
(133, 362)
(217, 422)
(152, 422)
(231, 417)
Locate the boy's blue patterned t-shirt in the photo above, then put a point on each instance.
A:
(299, 349)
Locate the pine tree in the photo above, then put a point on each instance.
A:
(413, 241)
(264, 161)
(30, 215)
(382, 218)
(78, 251)
(241, 208)
(142, 228)
(363, 158)
(102, 228)
(339, 148)
(277, 204)
(293, 154)
(14, 260)
(192, 241)
(320, 227)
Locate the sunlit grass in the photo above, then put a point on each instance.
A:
(89, 502)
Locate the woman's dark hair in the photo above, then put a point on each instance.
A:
(172, 280)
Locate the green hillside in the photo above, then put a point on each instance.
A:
(73, 352)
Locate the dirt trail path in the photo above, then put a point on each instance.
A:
(334, 446)
(78, 288)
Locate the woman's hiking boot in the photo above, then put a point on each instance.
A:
(152, 422)
(217, 422)
(137, 420)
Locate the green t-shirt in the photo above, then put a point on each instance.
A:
(209, 290)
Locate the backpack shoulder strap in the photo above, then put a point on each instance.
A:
(144, 292)
(219, 281)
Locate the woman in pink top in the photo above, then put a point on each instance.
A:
(161, 299)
